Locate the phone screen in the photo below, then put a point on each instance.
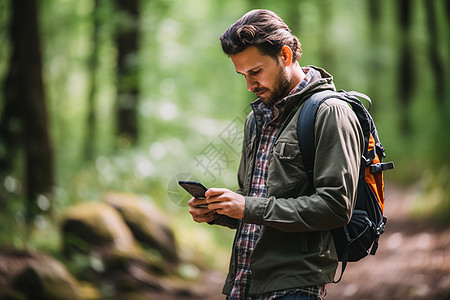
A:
(196, 189)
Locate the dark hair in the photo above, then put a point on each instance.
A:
(263, 29)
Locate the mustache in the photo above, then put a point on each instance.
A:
(259, 90)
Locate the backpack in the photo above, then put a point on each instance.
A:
(360, 236)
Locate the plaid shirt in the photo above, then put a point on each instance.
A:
(250, 232)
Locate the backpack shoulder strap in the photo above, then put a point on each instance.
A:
(307, 117)
(305, 129)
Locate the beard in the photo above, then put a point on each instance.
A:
(280, 90)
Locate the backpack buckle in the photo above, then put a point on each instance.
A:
(380, 228)
(380, 167)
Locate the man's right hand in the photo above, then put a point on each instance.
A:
(200, 214)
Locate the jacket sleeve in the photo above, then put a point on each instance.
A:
(339, 145)
(225, 221)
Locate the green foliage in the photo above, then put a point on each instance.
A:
(192, 102)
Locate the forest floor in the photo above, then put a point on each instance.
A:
(412, 262)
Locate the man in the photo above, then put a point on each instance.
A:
(283, 247)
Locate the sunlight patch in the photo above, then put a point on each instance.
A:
(11, 184)
(205, 126)
(43, 203)
(102, 164)
(157, 150)
(168, 111)
(144, 168)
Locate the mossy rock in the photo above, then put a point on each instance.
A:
(47, 279)
(96, 227)
(148, 224)
(35, 275)
(12, 295)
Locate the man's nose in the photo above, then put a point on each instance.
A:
(251, 84)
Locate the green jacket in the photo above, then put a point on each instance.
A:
(296, 248)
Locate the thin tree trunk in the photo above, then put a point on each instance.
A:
(375, 41)
(10, 121)
(293, 19)
(127, 69)
(406, 64)
(327, 56)
(91, 122)
(27, 126)
(436, 61)
(447, 14)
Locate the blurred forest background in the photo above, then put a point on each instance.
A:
(132, 95)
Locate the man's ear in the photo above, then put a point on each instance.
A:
(286, 55)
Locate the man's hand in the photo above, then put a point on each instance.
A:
(220, 201)
(200, 214)
(225, 202)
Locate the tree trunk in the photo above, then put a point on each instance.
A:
(293, 19)
(26, 126)
(127, 39)
(375, 42)
(447, 11)
(91, 121)
(433, 51)
(447, 15)
(406, 69)
(327, 56)
(10, 121)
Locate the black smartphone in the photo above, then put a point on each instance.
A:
(196, 189)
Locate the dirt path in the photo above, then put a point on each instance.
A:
(412, 262)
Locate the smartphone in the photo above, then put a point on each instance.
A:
(196, 189)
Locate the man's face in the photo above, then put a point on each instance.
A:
(265, 76)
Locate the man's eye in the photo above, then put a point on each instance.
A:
(254, 72)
